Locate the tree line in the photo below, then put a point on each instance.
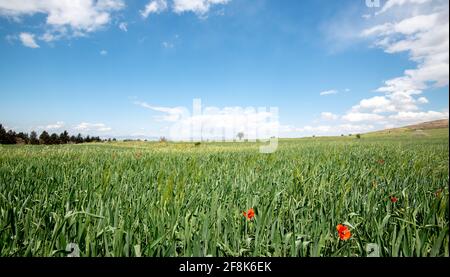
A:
(11, 137)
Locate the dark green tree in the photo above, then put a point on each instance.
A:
(54, 139)
(2, 135)
(44, 138)
(33, 138)
(64, 137)
(11, 137)
(79, 139)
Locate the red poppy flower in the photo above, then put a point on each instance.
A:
(394, 199)
(344, 232)
(249, 214)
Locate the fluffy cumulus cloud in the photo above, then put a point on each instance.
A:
(53, 126)
(75, 18)
(362, 117)
(414, 117)
(154, 6)
(199, 7)
(328, 116)
(419, 28)
(214, 123)
(422, 33)
(92, 127)
(64, 17)
(28, 40)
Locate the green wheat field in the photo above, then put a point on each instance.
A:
(181, 199)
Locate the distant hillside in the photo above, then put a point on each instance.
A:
(437, 124)
(429, 125)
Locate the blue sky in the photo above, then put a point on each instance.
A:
(125, 68)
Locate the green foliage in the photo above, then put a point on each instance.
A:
(176, 199)
(12, 137)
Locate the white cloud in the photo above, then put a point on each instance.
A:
(419, 28)
(362, 117)
(218, 124)
(86, 127)
(167, 45)
(47, 37)
(103, 52)
(417, 117)
(328, 116)
(171, 114)
(65, 17)
(123, 26)
(328, 92)
(214, 123)
(377, 104)
(54, 126)
(154, 6)
(422, 100)
(27, 40)
(424, 35)
(200, 7)
(335, 129)
(393, 3)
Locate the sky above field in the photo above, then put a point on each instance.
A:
(133, 68)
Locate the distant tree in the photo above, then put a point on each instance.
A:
(54, 139)
(79, 139)
(64, 137)
(349, 135)
(2, 135)
(342, 135)
(44, 138)
(7, 137)
(33, 138)
(11, 137)
(358, 136)
(240, 135)
(22, 138)
(162, 139)
(114, 139)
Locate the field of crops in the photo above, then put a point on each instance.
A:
(182, 199)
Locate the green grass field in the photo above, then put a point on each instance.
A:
(178, 199)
